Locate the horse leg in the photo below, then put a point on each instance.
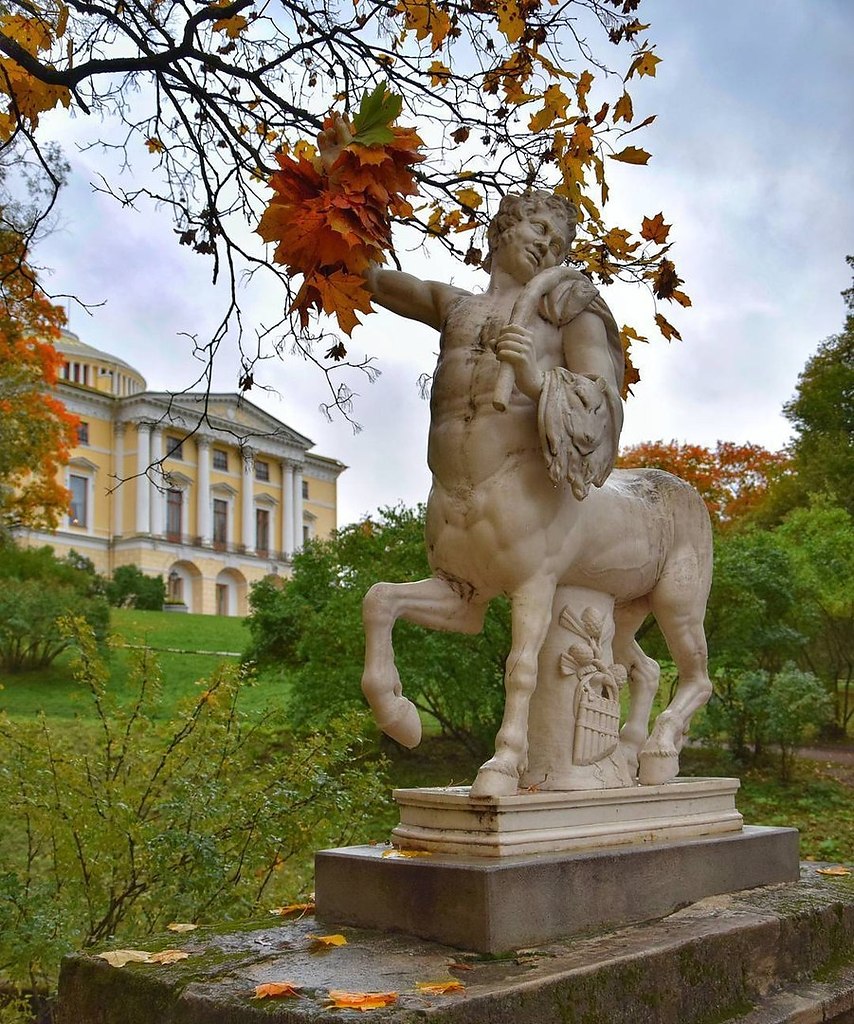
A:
(530, 616)
(643, 676)
(432, 603)
(680, 616)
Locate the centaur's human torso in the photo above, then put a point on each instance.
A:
(493, 513)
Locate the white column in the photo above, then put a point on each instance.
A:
(157, 496)
(143, 505)
(287, 509)
(116, 483)
(203, 495)
(248, 505)
(297, 507)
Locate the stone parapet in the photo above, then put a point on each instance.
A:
(780, 954)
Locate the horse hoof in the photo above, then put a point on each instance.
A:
(491, 784)
(657, 767)
(404, 726)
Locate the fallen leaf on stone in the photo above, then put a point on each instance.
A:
(837, 870)
(176, 927)
(276, 990)
(168, 956)
(406, 854)
(326, 941)
(120, 957)
(293, 908)
(440, 988)
(360, 1000)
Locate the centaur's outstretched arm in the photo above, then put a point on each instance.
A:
(411, 297)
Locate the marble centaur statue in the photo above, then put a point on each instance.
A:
(525, 421)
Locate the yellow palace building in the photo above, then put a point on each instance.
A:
(207, 490)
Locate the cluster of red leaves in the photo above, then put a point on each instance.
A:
(37, 431)
(332, 220)
(733, 479)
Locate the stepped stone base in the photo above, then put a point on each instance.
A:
(492, 904)
(447, 821)
(775, 955)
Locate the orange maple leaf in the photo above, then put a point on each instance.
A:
(440, 988)
(653, 229)
(341, 1000)
(667, 329)
(631, 155)
(326, 941)
(277, 990)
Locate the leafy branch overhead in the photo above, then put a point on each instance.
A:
(219, 99)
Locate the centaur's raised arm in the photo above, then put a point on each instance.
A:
(411, 297)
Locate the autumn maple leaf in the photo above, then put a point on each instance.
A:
(330, 215)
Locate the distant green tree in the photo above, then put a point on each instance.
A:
(819, 540)
(822, 415)
(310, 628)
(36, 590)
(130, 586)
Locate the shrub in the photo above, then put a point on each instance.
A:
(137, 824)
(752, 709)
(130, 587)
(36, 591)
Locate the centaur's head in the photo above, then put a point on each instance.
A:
(535, 220)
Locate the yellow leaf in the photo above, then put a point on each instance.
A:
(667, 329)
(293, 908)
(510, 20)
(340, 1000)
(644, 64)
(629, 334)
(440, 988)
(154, 145)
(681, 298)
(582, 88)
(231, 26)
(468, 197)
(426, 18)
(120, 957)
(176, 927)
(32, 34)
(61, 21)
(439, 73)
(327, 941)
(406, 854)
(631, 155)
(623, 109)
(837, 870)
(555, 105)
(168, 956)
(277, 990)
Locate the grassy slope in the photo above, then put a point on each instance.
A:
(54, 691)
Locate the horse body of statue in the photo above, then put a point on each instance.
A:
(524, 501)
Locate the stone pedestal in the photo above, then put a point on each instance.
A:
(493, 904)
(447, 821)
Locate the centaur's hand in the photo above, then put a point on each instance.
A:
(515, 348)
(332, 140)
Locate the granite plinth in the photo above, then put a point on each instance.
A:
(493, 904)
(446, 820)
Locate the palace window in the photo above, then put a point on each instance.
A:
(174, 448)
(77, 509)
(262, 470)
(220, 459)
(305, 488)
(174, 510)
(82, 433)
(220, 523)
(262, 531)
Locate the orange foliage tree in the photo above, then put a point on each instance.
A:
(227, 98)
(733, 479)
(36, 431)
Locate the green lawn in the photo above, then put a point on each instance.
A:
(54, 691)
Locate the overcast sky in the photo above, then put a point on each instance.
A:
(753, 164)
